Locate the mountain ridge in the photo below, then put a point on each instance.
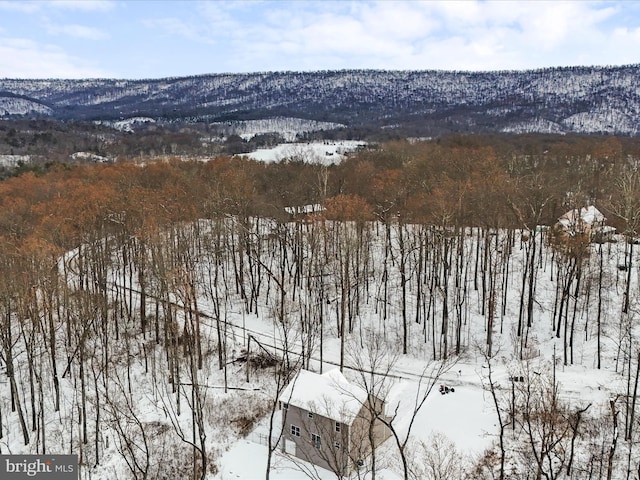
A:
(603, 100)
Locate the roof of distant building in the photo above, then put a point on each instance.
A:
(304, 209)
(585, 216)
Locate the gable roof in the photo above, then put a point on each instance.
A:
(330, 395)
(576, 220)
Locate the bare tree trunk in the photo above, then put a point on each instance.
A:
(599, 316)
(502, 424)
(614, 439)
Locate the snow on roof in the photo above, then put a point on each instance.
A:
(588, 216)
(304, 209)
(605, 229)
(330, 395)
(591, 215)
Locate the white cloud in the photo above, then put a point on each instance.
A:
(306, 35)
(223, 14)
(31, 7)
(83, 5)
(78, 31)
(445, 35)
(22, 58)
(174, 26)
(22, 7)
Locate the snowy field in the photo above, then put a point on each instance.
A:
(325, 153)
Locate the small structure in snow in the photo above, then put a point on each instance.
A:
(326, 419)
(304, 211)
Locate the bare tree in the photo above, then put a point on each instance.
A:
(504, 412)
(373, 368)
(547, 422)
(285, 368)
(437, 459)
(133, 442)
(626, 206)
(372, 364)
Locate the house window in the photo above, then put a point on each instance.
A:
(310, 414)
(285, 406)
(295, 431)
(337, 426)
(336, 445)
(315, 440)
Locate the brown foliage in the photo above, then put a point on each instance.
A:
(348, 207)
(453, 181)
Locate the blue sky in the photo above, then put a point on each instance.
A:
(152, 39)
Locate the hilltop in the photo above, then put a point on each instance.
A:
(555, 100)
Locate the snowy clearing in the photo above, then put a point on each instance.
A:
(325, 153)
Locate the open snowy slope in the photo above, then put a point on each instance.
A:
(157, 394)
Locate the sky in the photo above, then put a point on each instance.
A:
(154, 39)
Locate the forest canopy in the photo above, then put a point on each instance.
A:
(454, 181)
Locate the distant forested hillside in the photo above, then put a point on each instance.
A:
(421, 103)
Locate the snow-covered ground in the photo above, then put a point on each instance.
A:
(327, 152)
(22, 106)
(89, 157)
(466, 417)
(13, 160)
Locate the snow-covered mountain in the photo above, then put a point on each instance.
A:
(559, 100)
(11, 105)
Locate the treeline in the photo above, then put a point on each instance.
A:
(456, 181)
